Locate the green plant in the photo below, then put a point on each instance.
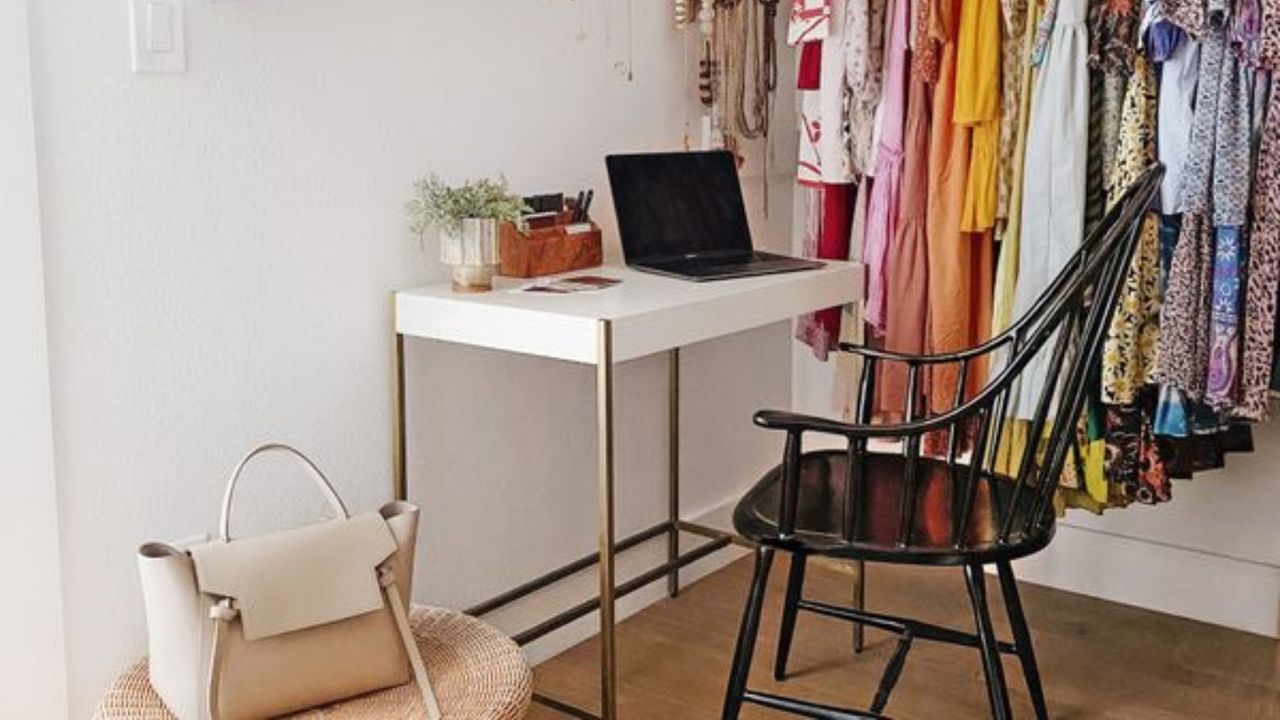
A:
(440, 206)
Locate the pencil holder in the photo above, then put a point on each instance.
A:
(558, 245)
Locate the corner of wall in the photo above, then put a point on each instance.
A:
(33, 654)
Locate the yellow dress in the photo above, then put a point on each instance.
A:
(1083, 482)
(977, 105)
(1015, 435)
(1007, 270)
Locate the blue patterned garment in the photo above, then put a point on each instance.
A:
(1224, 340)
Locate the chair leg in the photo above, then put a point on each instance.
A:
(1022, 638)
(790, 609)
(747, 635)
(997, 691)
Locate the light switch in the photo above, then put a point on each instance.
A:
(159, 27)
(156, 35)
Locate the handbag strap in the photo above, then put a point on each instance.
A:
(321, 482)
(223, 613)
(387, 578)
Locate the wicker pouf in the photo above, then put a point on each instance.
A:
(476, 672)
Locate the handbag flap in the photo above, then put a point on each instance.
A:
(299, 578)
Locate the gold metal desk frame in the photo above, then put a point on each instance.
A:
(609, 545)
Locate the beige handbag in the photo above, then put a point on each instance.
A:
(259, 627)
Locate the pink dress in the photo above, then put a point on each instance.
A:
(882, 215)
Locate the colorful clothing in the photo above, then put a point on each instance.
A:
(977, 105)
(809, 20)
(1111, 43)
(1263, 276)
(1129, 352)
(882, 217)
(959, 262)
(1231, 185)
(1269, 43)
(826, 141)
(827, 237)
(1184, 340)
(1006, 280)
(907, 323)
(1013, 68)
(1190, 15)
(1178, 76)
(1053, 196)
(1135, 462)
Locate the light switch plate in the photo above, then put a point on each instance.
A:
(156, 36)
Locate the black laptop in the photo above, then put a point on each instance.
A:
(681, 214)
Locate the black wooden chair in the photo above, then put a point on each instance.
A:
(956, 508)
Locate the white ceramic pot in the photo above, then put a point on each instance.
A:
(473, 254)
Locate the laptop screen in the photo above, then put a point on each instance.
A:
(673, 205)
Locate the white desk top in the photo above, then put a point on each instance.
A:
(648, 313)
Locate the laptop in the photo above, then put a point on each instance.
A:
(682, 215)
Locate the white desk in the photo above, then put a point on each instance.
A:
(644, 315)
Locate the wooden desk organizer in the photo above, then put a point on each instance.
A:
(550, 248)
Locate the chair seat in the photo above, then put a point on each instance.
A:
(820, 518)
(476, 672)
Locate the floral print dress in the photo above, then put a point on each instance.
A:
(1134, 469)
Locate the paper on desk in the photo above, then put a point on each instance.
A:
(569, 285)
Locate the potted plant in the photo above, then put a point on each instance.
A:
(466, 218)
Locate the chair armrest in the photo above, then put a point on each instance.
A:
(796, 422)
(991, 345)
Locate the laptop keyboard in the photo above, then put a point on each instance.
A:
(722, 266)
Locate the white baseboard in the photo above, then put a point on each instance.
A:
(1204, 586)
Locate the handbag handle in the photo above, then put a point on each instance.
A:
(321, 481)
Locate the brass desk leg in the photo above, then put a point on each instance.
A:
(399, 470)
(604, 448)
(673, 471)
(859, 603)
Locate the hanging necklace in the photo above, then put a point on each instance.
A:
(747, 59)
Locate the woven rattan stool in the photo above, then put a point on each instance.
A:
(476, 671)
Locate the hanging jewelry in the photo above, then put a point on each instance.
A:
(682, 14)
(707, 17)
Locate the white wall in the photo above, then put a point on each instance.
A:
(219, 249)
(32, 666)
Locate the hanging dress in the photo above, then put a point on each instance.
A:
(1184, 326)
(977, 106)
(882, 217)
(1190, 15)
(1264, 245)
(959, 262)
(825, 166)
(1232, 168)
(1053, 201)
(908, 282)
(825, 151)
(1129, 351)
(1179, 71)
(1006, 279)
(864, 71)
(827, 234)
(1135, 469)
(1269, 42)
(1013, 441)
(1013, 67)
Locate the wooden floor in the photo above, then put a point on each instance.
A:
(1098, 659)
